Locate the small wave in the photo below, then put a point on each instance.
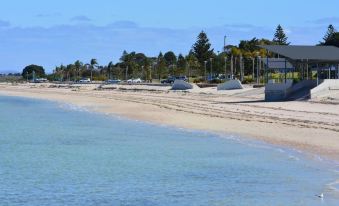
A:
(294, 158)
(72, 107)
(333, 187)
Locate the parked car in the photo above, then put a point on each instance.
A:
(134, 81)
(113, 81)
(85, 80)
(40, 80)
(219, 78)
(182, 78)
(171, 79)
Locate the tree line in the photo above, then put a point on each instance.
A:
(202, 60)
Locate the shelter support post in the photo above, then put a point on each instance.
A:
(258, 68)
(285, 71)
(266, 68)
(253, 69)
(307, 76)
(317, 74)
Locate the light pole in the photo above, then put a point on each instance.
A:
(225, 58)
(126, 73)
(142, 71)
(258, 69)
(225, 43)
(241, 68)
(188, 71)
(252, 68)
(211, 59)
(232, 66)
(91, 73)
(205, 70)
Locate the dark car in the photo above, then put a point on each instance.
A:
(182, 78)
(113, 81)
(169, 80)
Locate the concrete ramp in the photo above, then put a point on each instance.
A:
(230, 85)
(181, 85)
(302, 90)
(325, 89)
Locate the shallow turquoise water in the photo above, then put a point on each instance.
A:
(52, 154)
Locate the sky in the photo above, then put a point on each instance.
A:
(50, 33)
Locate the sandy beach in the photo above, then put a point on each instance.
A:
(307, 126)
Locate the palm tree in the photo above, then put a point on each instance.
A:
(93, 63)
(109, 67)
(78, 66)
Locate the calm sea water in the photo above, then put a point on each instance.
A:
(52, 154)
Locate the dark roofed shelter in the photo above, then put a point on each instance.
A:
(305, 60)
(314, 54)
(302, 56)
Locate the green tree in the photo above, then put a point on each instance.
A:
(27, 72)
(93, 63)
(202, 48)
(192, 65)
(161, 66)
(78, 66)
(333, 40)
(109, 68)
(329, 36)
(170, 58)
(280, 37)
(181, 65)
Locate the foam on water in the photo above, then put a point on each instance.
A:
(58, 154)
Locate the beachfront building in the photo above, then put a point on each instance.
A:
(300, 72)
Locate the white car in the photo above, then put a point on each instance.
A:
(134, 81)
(85, 80)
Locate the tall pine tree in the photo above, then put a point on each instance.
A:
(202, 48)
(329, 34)
(280, 37)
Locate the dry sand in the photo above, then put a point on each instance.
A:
(308, 126)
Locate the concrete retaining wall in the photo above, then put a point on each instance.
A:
(278, 91)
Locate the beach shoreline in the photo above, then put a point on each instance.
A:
(306, 126)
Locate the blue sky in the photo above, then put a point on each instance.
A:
(49, 33)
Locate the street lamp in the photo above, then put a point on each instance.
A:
(225, 43)
(205, 70)
(252, 68)
(211, 60)
(225, 58)
(258, 69)
(126, 73)
(241, 68)
(142, 71)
